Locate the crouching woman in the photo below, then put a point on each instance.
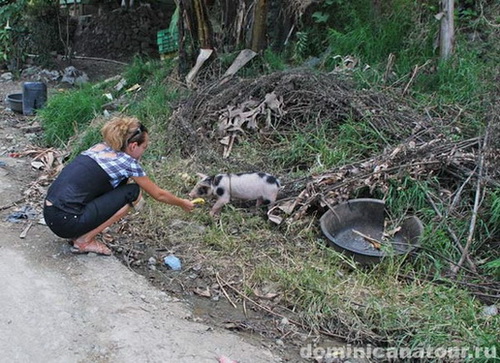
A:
(93, 191)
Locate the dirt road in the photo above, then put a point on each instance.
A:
(59, 307)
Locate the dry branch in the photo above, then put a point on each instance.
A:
(476, 202)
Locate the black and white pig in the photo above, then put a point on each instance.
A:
(262, 187)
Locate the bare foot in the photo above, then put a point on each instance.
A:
(91, 246)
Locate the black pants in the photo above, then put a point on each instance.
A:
(95, 213)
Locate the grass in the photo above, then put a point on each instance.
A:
(321, 147)
(324, 289)
(399, 302)
(68, 113)
(78, 112)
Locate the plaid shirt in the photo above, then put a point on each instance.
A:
(117, 164)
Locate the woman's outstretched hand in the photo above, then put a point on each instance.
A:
(187, 205)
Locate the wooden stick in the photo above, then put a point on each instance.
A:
(99, 59)
(413, 74)
(477, 203)
(374, 242)
(459, 191)
(25, 230)
(224, 291)
(388, 68)
(278, 314)
(7, 206)
(451, 233)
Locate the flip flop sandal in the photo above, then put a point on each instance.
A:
(92, 246)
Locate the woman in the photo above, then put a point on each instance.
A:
(92, 192)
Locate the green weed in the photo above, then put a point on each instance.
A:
(371, 304)
(493, 267)
(89, 136)
(140, 70)
(494, 210)
(458, 80)
(319, 148)
(371, 37)
(275, 62)
(67, 114)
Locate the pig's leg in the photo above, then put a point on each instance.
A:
(266, 200)
(218, 205)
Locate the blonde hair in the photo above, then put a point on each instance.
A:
(117, 131)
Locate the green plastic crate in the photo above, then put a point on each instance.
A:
(167, 42)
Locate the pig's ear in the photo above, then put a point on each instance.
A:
(202, 176)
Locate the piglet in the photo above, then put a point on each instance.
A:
(262, 187)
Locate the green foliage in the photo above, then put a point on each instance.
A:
(455, 81)
(140, 70)
(12, 34)
(324, 146)
(492, 221)
(6, 46)
(45, 27)
(494, 210)
(29, 27)
(322, 15)
(369, 34)
(275, 62)
(87, 137)
(67, 114)
(301, 47)
(493, 267)
(372, 38)
(407, 192)
(153, 105)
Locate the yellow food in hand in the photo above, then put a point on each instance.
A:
(198, 201)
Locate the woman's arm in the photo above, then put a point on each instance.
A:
(162, 195)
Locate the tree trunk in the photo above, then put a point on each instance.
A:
(195, 32)
(282, 24)
(447, 33)
(259, 29)
(203, 24)
(233, 23)
(182, 26)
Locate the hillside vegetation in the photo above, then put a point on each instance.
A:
(356, 107)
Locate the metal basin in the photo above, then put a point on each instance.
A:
(353, 227)
(15, 102)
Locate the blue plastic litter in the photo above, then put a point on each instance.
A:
(26, 212)
(173, 262)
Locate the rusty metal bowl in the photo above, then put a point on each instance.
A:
(355, 227)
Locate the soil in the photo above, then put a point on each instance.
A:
(103, 309)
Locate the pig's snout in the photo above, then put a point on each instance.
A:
(194, 192)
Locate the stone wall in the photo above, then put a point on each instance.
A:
(122, 33)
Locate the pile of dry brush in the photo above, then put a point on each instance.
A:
(419, 145)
